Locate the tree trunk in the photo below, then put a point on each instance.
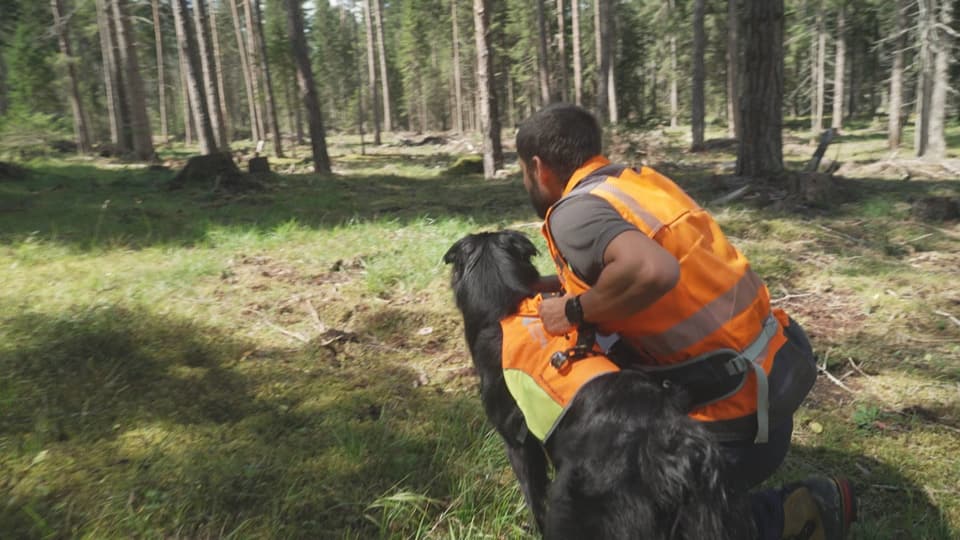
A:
(372, 69)
(733, 69)
(271, 100)
(925, 73)
(161, 84)
(185, 99)
(895, 110)
(839, 70)
(937, 143)
(674, 96)
(256, 132)
(489, 116)
(111, 78)
(218, 63)
(562, 52)
(543, 67)
(602, 58)
(253, 60)
(76, 104)
(609, 46)
(820, 82)
(577, 61)
(457, 77)
(139, 119)
(382, 50)
(699, 75)
(186, 41)
(212, 94)
(308, 90)
(760, 151)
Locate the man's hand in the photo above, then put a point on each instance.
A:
(554, 316)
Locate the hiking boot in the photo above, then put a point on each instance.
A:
(818, 508)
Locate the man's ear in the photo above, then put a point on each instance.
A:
(543, 174)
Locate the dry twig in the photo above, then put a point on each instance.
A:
(953, 319)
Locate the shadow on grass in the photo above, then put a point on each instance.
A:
(891, 506)
(84, 206)
(120, 423)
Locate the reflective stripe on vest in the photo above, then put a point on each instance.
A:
(543, 392)
(718, 303)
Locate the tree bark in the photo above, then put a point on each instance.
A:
(372, 69)
(161, 84)
(253, 60)
(384, 80)
(256, 131)
(111, 79)
(271, 100)
(820, 83)
(489, 116)
(577, 60)
(185, 99)
(608, 49)
(937, 143)
(457, 76)
(543, 66)
(895, 109)
(674, 97)
(139, 119)
(839, 69)
(562, 52)
(925, 72)
(207, 67)
(760, 151)
(308, 89)
(699, 75)
(218, 63)
(733, 69)
(76, 104)
(187, 43)
(602, 58)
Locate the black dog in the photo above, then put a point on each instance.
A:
(628, 462)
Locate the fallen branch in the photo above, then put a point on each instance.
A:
(857, 368)
(288, 333)
(316, 318)
(835, 380)
(840, 234)
(790, 296)
(732, 196)
(953, 319)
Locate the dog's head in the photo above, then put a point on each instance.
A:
(492, 272)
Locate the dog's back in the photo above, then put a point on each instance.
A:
(631, 464)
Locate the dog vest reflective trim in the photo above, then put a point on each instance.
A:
(542, 391)
(718, 303)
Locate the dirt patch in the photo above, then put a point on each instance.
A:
(828, 316)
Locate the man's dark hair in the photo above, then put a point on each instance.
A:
(565, 136)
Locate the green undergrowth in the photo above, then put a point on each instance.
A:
(288, 363)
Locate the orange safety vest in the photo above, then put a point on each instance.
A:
(718, 303)
(543, 391)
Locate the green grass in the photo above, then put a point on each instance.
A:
(162, 372)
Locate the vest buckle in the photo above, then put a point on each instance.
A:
(586, 340)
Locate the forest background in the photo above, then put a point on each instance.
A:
(188, 350)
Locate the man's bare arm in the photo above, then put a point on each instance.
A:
(636, 273)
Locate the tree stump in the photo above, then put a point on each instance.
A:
(936, 209)
(215, 170)
(259, 165)
(815, 189)
(9, 171)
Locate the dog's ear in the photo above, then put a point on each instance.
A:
(517, 244)
(459, 250)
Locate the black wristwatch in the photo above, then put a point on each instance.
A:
(574, 311)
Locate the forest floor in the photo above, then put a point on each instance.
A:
(288, 362)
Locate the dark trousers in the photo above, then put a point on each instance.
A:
(748, 463)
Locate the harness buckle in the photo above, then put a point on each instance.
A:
(586, 340)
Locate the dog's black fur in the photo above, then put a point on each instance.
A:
(628, 462)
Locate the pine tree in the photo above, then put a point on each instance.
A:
(308, 90)
(760, 151)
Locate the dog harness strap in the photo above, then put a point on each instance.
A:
(755, 353)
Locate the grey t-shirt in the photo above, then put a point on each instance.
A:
(582, 226)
